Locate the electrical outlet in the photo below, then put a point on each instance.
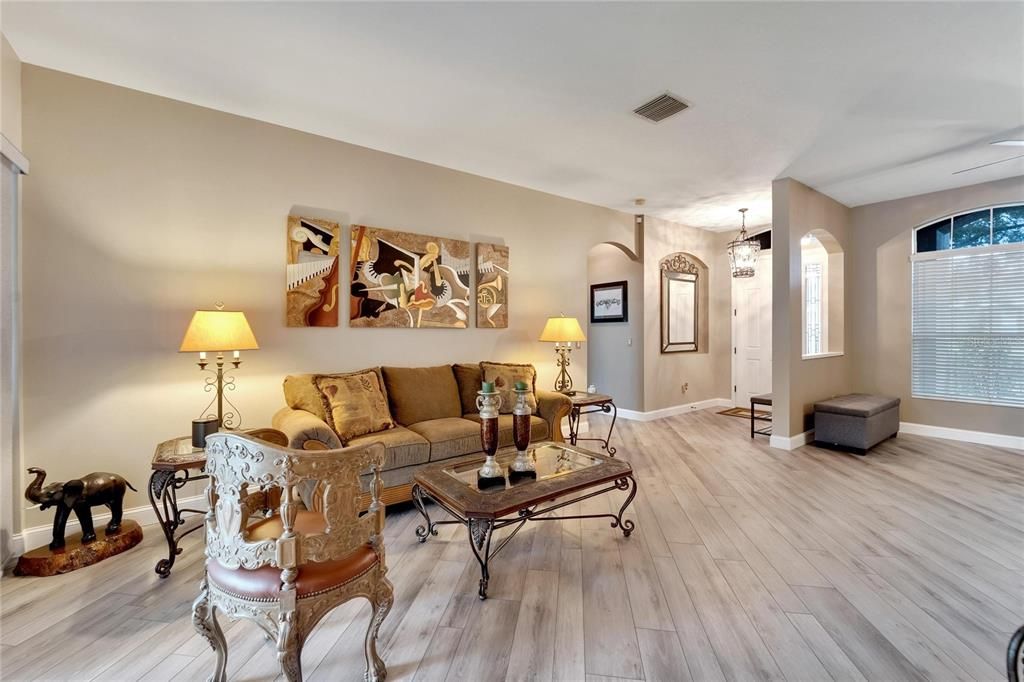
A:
(685, 387)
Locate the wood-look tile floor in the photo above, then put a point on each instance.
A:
(747, 563)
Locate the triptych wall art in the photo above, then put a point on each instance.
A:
(401, 279)
(397, 279)
(312, 272)
(492, 286)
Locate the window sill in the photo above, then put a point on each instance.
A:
(821, 355)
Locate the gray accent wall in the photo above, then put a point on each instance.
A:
(615, 350)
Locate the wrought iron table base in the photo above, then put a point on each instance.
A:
(163, 495)
(574, 425)
(481, 530)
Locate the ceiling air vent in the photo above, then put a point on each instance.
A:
(660, 108)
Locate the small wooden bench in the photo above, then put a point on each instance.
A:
(755, 400)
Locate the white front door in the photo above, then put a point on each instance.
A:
(752, 333)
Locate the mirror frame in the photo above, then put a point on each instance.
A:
(678, 267)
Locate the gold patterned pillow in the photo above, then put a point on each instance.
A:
(355, 403)
(505, 375)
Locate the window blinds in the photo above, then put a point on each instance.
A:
(968, 327)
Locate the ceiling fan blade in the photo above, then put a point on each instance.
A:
(1019, 156)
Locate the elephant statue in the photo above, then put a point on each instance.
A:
(80, 495)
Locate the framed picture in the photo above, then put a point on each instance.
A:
(609, 302)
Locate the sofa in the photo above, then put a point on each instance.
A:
(433, 410)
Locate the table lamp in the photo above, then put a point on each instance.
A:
(219, 331)
(563, 331)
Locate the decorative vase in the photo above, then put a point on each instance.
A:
(488, 403)
(521, 414)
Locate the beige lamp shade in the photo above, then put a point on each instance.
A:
(218, 331)
(562, 330)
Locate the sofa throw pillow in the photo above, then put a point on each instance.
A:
(302, 393)
(505, 376)
(355, 404)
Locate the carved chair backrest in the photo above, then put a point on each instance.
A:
(240, 466)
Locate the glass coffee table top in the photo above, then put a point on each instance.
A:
(550, 460)
(561, 469)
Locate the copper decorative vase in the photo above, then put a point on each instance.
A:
(488, 404)
(521, 414)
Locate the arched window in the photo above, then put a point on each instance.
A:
(968, 307)
(821, 281)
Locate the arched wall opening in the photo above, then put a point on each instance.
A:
(615, 348)
(823, 298)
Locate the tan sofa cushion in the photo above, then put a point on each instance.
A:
(356, 404)
(301, 393)
(449, 437)
(505, 376)
(468, 376)
(418, 394)
(539, 429)
(404, 447)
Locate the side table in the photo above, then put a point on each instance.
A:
(173, 465)
(590, 403)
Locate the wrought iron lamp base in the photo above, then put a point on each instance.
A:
(563, 384)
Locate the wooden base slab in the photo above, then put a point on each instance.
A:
(43, 561)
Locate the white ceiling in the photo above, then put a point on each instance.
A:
(863, 101)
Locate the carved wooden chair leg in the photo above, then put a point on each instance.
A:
(289, 647)
(291, 661)
(383, 599)
(204, 620)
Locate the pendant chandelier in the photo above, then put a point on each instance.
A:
(743, 251)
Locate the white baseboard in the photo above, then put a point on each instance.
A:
(791, 442)
(980, 437)
(636, 415)
(37, 536)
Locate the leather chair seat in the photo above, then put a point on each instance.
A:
(264, 584)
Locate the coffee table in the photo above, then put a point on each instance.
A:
(562, 470)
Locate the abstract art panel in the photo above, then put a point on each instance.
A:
(401, 279)
(312, 272)
(491, 286)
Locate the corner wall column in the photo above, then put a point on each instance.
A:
(13, 164)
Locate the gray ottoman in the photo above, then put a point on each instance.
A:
(857, 421)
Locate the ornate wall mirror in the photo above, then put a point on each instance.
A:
(679, 309)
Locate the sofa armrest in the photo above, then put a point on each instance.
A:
(553, 407)
(305, 431)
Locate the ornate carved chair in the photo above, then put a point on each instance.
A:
(288, 570)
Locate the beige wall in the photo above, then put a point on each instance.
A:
(879, 295)
(708, 371)
(798, 383)
(615, 350)
(141, 209)
(10, 92)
